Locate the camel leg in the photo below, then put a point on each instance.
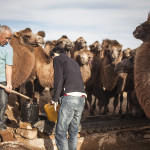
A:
(100, 105)
(94, 104)
(127, 108)
(115, 103)
(106, 102)
(89, 102)
(18, 97)
(121, 101)
(38, 89)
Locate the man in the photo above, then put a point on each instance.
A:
(68, 84)
(6, 62)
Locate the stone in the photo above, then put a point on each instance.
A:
(7, 136)
(38, 143)
(13, 145)
(45, 126)
(43, 143)
(28, 134)
(25, 125)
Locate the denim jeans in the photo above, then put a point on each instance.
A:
(3, 103)
(69, 116)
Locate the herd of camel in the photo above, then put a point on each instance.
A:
(107, 70)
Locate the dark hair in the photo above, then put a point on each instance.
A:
(57, 50)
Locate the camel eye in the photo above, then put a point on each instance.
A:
(27, 36)
(60, 42)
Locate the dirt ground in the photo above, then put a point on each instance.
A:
(114, 140)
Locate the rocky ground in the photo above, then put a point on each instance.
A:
(22, 136)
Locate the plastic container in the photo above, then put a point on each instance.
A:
(30, 111)
(51, 113)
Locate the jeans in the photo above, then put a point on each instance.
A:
(3, 103)
(69, 116)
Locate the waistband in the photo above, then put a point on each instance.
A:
(71, 95)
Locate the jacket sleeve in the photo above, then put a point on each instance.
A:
(58, 78)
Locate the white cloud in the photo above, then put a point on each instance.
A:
(92, 19)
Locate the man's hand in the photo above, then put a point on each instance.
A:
(8, 88)
(55, 105)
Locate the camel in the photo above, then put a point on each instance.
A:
(66, 44)
(23, 44)
(44, 64)
(96, 48)
(49, 45)
(127, 66)
(79, 44)
(141, 66)
(126, 53)
(108, 77)
(89, 67)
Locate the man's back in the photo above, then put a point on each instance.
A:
(67, 74)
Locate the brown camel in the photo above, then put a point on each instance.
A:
(79, 44)
(66, 44)
(23, 44)
(96, 48)
(108, 77)
(142, 66)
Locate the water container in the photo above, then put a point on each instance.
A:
(30, 111)
(51, 113)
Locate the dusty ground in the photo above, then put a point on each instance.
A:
(116, 140)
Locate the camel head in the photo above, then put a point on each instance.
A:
(80, 43)
(112, 49)
(83, 57)
(65, 43)
(125, 66)
(142, 31)
(95, 47)
(26, 37)
(49, 45)
(126, 53)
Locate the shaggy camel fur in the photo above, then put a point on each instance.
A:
(23, 44)
(43, 67)
(43, 72)
(142, 66)
(108, 77)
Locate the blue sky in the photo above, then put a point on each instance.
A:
(91, 19)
